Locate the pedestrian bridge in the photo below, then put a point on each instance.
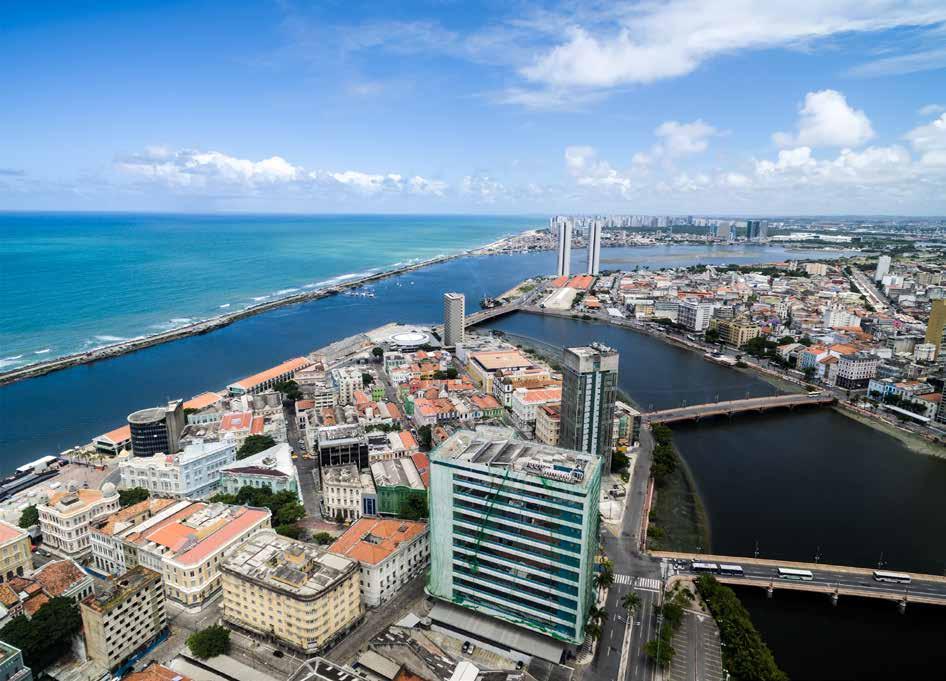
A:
(730, 407)
(832, 580)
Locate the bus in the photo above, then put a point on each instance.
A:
(704, 567)
(895, 577)
(731, 570)
(791, 573)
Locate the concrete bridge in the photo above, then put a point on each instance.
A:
(481, 316)
(832, 580)
(728, 408)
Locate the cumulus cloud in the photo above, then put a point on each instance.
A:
(827, 120)
(930, 141)
(588, 170)
(483, 188)
(189, 169)
(627, 43)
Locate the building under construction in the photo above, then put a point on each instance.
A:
(513, 536)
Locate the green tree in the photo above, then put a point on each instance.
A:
(366, 379)
(209, 642)
(255, 444)
(129, 497)
(339, 517)
(711, 335)
(593, 629)
(29, 517)
(289, 389)
(660, 652)
(323, 538)
(291, 531)
(286, 514)
(630, 601)
(44, 638)
(377, 352)
(415, 508)
(425, 437)
(221, 498)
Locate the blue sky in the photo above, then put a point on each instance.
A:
(683, 106)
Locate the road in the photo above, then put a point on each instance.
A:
(696, 650)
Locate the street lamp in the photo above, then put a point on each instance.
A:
(818, 554)
(756, 553)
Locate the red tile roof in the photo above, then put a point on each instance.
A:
(288, 366)
(422, 464)
(387, 535)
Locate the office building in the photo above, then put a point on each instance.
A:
(736, 332)
(299, 594)
(343, 444)
(67, 517)
(855, 370)
(936, 326)
(883, 267)
(15, 556)
(594, 246)
(757, 229)
(157, 430)
(125, 617)
(694, 315)
(589, 384)
(454, 319)
(391, 552)
(11, 664)
(194, 473)
(513, 536)
(564, 249)
(271, 468)
(723, 229)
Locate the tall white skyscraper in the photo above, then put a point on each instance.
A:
(883, 267)
(564, 248)
(594, 246)
(454, 318)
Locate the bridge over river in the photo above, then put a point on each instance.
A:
(833, 580)
(730, 407)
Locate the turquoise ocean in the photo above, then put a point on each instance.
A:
(70, 282)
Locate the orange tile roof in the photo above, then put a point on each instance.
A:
(202, 400)
(542, 395)
(407, 439)
(239, 420)
(118, 435)
(56, 577)
(86, 497)
(170, 520)
(582, 281)
(232, 529)
(302, 405)
(288, 366)
(32, 605)
(258, 424)
(485, 401)
(559, 282)
(153, 505)
(8, 596)
(9, 532)
(157, 672)
(422, 464)
(388, 534)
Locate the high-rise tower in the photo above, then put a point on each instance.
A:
(564, 248)
(589, 385)
(594, 246)
(454, 318)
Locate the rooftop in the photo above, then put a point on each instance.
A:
(372, 540)
(288, 366)
(9, 532)
(120, 588)
(298, 568)
(502, 359)
(345, 474)
(320, 669)
(277, 460)
(157, 672)
(56, 577)
(397, 472)
(495, 447)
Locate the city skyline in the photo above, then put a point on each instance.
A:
(447, 109)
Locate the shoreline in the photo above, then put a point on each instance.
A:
(209, 324)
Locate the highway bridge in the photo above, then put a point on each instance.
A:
(491, 313)
(730, 407)
(832, 580)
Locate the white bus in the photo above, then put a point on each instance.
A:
(895, 577)
(731, 570)
(791, 573)
(704, 567)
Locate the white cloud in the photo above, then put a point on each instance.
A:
(931, 109)
(680, 139)
(626, 43)
(930, 141)
(483, 188)
(188, 169)
(926, 60)
(583, 164)
(827, 120)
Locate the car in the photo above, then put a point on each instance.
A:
(278, 653)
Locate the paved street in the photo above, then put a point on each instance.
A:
(696, 650)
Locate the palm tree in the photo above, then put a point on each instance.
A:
(593, 630)
(630, 602)
(596, 614)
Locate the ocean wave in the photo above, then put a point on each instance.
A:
(181, 320)
(225, 306)
(286, 291)
(110, 339)
(41, 352)
(9, 362)
(260, 299)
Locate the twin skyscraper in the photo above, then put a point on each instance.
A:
(563, 227)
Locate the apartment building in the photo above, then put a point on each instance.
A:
(66, 518)
(108, 554)
(514, 530)
(124, 618)
(548, 422)
(15, 557)
(694, 315)
(855, 370)
(736, 332)
(345, 381)
(298, 593)
(391, 552)
(194, 473)
(526, 403)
